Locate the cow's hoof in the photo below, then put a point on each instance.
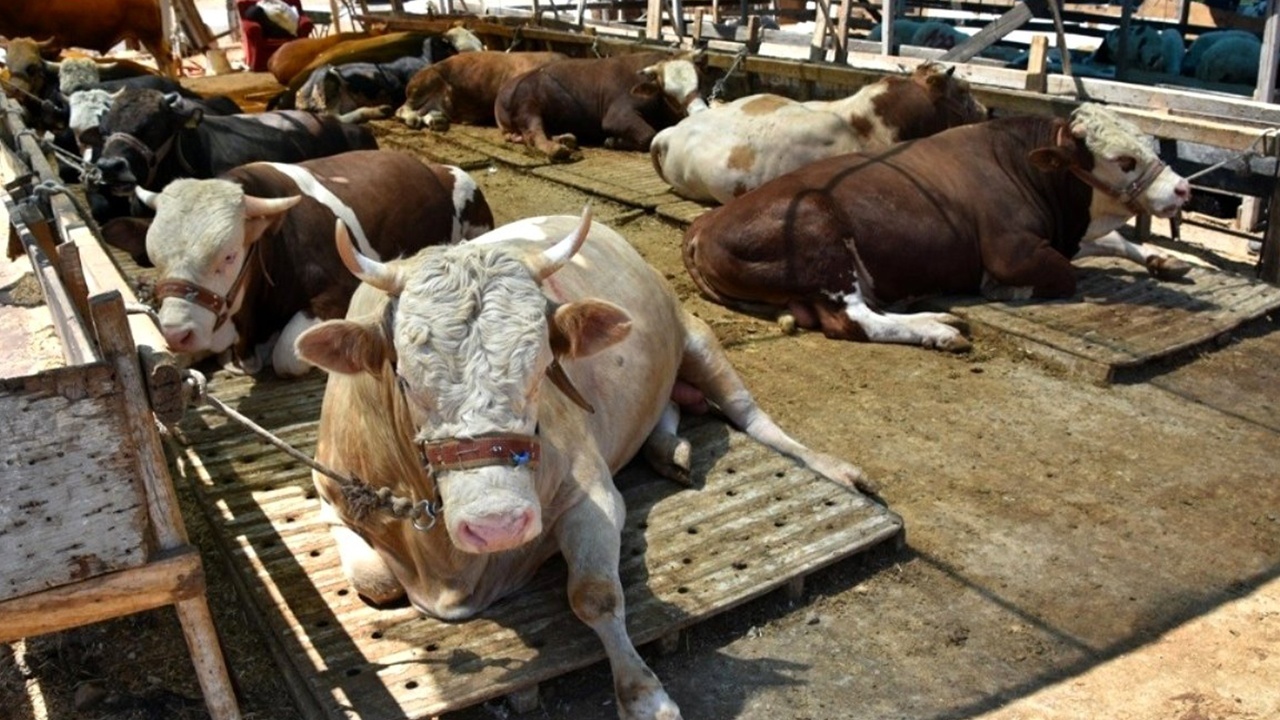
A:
(568, 140)
(385, 111)
(1167, 268)
(654, 706)
(955, 343)
(671, 456)
(787, 323)
(561, 154)
(412, 120)
(437, 122)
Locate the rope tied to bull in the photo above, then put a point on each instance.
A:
(1244, 154)
(717, 89)
(362, 498)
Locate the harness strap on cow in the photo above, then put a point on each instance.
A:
(152, 158)
(219, 305)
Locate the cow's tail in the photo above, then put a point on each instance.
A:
(657, 153)
(863, 277)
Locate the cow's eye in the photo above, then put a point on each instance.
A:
(1126, 163)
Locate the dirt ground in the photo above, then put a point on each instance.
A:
(1053, 525)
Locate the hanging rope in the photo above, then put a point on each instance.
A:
(361, 498)
(717, 89)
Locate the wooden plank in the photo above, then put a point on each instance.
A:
(1037, 76)
(66, 469)
(1014, 18)
(1120, 318)
(149, 586)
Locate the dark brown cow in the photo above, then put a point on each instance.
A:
(999, 207)
(463, 88)
(206, 233)
(90, 24)
(618, 101)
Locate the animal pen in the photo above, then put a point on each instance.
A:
(683, 557)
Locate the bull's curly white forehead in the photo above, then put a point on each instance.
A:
(469, 329)
(194, 217)
(77, 73)
(1110, 136)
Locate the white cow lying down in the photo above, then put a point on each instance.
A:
(462, 393)
(725, 151)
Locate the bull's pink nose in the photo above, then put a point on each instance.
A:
(179, 338)
(1182, 190)
(497, 532)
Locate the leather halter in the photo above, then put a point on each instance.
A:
(498, 449)
(219, 305)
(1127, 195)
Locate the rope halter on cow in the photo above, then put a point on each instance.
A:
(1128, 194)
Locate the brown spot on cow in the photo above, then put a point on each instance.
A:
(740, 189)
(593, 599)
(742, 157)
(862, 124)
(764, 105)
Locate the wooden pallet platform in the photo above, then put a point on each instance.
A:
(754, 522)
(1121, 318)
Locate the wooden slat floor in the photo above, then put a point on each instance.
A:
(753, 522)
(1120, 318)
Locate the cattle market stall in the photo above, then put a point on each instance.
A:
(89, 522)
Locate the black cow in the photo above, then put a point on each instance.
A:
(153, 138)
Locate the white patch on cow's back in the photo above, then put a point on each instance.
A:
(526, 229)
(861, 105)
(464, 193)
(309, 185)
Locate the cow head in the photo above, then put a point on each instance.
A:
(429, 96)
(88, 108)
(950, 95)
(1114, 157)
(471, 338)
(140, 129)
(200, 242)
(77, 74)
(29, 71)
(676, 81)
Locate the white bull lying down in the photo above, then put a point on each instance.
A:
(443, 397)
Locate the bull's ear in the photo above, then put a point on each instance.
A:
(584, 328)
(346, 346)
(646, 90)
(1050, 159)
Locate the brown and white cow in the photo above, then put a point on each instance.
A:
(475, 367)
(463, 88)
(999, 207)
(722, 153)
(247, 257)
(620, 101)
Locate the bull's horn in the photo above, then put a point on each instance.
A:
(148, 198)
(52, 67)
(380, 275)
(554, 257)
(261, 207)
(107, 66)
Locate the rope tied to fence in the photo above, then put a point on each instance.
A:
(1248, 152)
(717, 89)
(362, 499)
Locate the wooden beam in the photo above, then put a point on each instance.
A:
(156, 584)
(1011, 20)
(1269, 56)
(1037, 73)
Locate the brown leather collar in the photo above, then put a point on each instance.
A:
(217, 304)
(483, 451)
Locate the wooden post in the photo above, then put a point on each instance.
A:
(1270, 260)
(653, 20)
(887, 46)
(842, 31)
(1037, 79)
(821, 28)
(677, 18)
